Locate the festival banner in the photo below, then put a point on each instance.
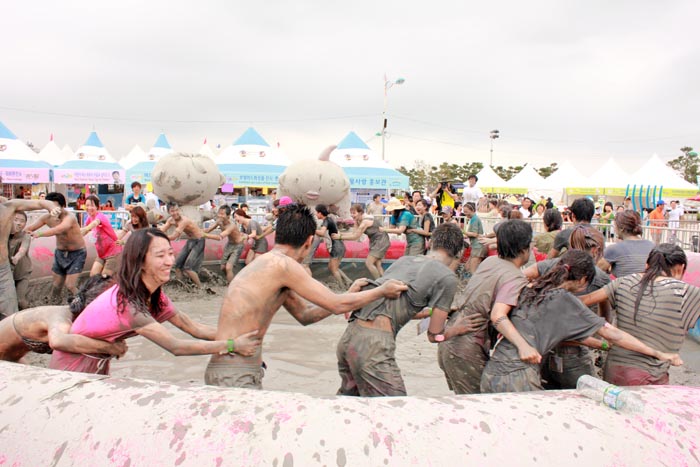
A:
(24, 175)
(90, 176)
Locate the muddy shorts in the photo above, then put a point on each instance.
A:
(231, 375)
(522, 380)
(631, 376)
(112, 262)
(565, 365)
(260, 246)
(232, 253)
(191, 256)
(8, 295)
(463, 359)
(414, 249)
(66, 263)
(314, 246)
(337, 249)
(366, 363)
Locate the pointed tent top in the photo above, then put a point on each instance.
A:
(489, 179)
(6, 133)
(352, 141)
(251, 137)
(94, 140)
(162, 142)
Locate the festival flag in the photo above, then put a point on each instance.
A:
(51, 137)
(205, 140)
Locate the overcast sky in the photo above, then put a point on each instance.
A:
(582, 81)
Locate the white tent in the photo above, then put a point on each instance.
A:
(488, 180)
(609, 175)
(365, 168)
(251, 162)
(566, 176)
(135, 155)
(52, 154)
(18, 163)
(67, 152)
(528, 179)
(91, 164)
(206, 150)
(656, 173)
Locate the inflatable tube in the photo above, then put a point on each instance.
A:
(60, 418)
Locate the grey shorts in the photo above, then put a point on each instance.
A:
(414, 249)
(366, 363)
(337, 249)
(8, 294)
(66, 263)
(522, 380)
(314, 246)
(230, 375)
(191, 256)
(463, 359)
(260, 246)
(576, 361)
(232, 253)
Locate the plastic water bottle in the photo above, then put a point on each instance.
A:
(613, 396)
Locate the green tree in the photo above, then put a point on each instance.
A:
(686, 164)
(547, 171)
(507, 173)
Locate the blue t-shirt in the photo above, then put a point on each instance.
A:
(131, 199)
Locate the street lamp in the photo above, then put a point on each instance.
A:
(494, 134)
(388, 84)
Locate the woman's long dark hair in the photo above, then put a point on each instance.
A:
(89, 291)
(659, 263)
(132, 290)
(573, 265)
(141, 215)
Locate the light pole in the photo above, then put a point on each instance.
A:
(494, 134)
(387, 85)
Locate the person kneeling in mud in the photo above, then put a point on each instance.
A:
(548, 313)
(366, 360)
(45, 328)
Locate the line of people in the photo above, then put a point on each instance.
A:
(508, 334)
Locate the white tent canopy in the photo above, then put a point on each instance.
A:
(655, 172)
(609, 175)
(250, 148)
(487, 178)
(527, 178)
(52, 154)
(134, 156)
(566, 176)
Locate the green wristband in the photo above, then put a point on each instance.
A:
(231, 345)
(604, 346)
(431, 312)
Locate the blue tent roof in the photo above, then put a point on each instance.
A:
(91, 165)
(162, 142)
(5, 133)
(22, 164)
(94, 140)
(352, 141)
(251, 137)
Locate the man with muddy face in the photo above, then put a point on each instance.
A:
(192, 255)
(8, 208)
(274, 280)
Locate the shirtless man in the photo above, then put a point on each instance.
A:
(274, 280)
(236, 240)
(8, 208)
(70, 254)
(192, 254)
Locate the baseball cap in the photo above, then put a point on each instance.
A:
(660, 202)
(446, 210)
(285, 201)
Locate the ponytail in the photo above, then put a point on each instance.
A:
(573, 265)
(659, 263)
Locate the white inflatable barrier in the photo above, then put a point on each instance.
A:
(57, 418)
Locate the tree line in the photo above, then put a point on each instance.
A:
(425, 176)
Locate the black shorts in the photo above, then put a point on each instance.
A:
(66, 263)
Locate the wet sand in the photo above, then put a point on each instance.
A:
(302, 359)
